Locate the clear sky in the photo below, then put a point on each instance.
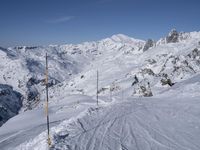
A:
(43, 22)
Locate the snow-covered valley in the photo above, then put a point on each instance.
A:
(148, 94)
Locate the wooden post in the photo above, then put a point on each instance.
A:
(110, 94)
(122, 95)
(47, 102)
(97, 87)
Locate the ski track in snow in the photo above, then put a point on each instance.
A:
(170, 120)
(136, 127)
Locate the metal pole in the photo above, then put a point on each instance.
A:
(47, 102)
(122, 95)
(97, 87)
(110, 94)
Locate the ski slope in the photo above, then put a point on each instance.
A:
(169, 121)
(126, 118)
(31, 123)
(136, 124)
(150, 123)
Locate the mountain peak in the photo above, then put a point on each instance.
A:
(124, 38)
(121, 36)
(173, 30)
(173, 36)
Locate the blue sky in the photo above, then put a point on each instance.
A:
(43, 22)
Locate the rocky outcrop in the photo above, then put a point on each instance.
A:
(149, 43)
(10, 103)
(195, 54)
(142, 88)
(172, 36)
(166, 82)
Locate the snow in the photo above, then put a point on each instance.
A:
(135, 124)
(151, 123)
(30, 123)
(124, 119)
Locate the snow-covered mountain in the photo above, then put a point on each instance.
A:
(130, 70)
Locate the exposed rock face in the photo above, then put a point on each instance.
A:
(143, 88)
(147, 71)
(145, 91)
(135, 80)
(166, 81)
(3, 49)
(33, 94)
(194, 54)
(149, 43)
(10, 103)
(9, 53)
(172, 36)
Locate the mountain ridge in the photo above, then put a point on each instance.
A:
(128, 69)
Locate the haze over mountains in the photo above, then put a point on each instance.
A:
(148, 92)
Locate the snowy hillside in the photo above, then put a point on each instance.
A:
(148, 93)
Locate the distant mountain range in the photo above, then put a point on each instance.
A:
(128, 68)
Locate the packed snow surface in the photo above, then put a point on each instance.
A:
(148, 94)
